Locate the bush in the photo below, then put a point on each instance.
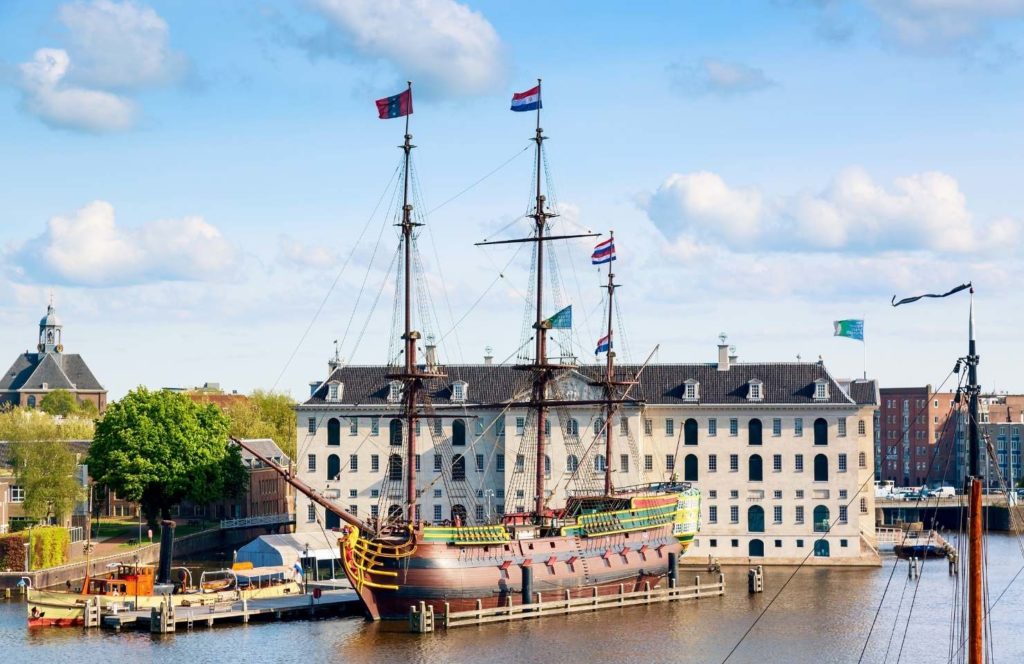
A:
(12, 552)
(50, 546)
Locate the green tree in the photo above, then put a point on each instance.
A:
(43, 463)
(158, 448)
(265, 415)
(59, 402)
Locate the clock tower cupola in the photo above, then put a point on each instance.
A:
(50, 332)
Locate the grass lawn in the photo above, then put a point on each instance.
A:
(128, 530)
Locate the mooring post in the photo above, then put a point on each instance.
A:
(696, 586)
(527, 584)
(673, 569)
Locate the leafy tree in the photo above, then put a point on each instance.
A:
(158, 448)
(264, 415)
(59, 402)
(43, 463)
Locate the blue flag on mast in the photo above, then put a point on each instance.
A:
(562, 320)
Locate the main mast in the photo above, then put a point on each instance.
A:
(975, 553)
(609, 377)
(542, 374)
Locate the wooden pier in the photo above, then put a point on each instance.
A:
(168, 618)
(422, 618)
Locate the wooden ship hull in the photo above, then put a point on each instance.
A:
(461, 566)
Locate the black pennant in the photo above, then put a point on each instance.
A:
(908, 300)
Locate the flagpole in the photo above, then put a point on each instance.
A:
(864, 340)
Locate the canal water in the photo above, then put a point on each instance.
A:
(823, 615)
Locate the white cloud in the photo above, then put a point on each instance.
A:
(714, 76)
(120, 45)
(113, 48)
(923, 211)
(47, 96)
(297, 254)
(441, 44)
(88, 248)
(935, 23)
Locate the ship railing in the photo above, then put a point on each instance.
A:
(646, 487)
(262, 520)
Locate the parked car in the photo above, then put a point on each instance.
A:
(943, 492)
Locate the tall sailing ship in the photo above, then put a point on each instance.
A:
(603, 537)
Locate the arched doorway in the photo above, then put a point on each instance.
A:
(755, 468)
(333, 467)
(690, 432)
(333, 432)
(754, 430)
(820, 431)
(755, 519)
(690, 468)
(459, 512)
(821, 519)
(820, 468)
(755, 548)
(821, 548)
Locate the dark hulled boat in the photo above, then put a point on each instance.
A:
(600, 541)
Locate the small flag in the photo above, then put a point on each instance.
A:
(527, 101)
(298, 569)
(604, 344)
(562, 320)
(853, 328)
(395, 106)
(603, 253)
(908, 300)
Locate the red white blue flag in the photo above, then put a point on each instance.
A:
(527, 101)
(603, 253)
(604, 344)
(395, 106)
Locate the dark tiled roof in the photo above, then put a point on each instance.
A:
(59, 372)
(865, 392)
(782, 383)
(265, 447)
(80, 447)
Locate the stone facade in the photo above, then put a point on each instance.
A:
(780, 451)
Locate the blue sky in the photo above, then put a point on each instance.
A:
(189, 181)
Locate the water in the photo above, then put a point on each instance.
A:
(822, 616)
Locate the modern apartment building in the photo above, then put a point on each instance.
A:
(918, 441)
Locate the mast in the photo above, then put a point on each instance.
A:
(609, 376)
(975, 552)
(540, 352)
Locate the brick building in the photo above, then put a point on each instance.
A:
(918, 435)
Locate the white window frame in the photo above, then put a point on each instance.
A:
(395, 389)
(755, 390)
(460, 391)
(691, 390)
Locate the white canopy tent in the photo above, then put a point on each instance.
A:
(271, 550)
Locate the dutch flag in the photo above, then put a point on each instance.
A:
(527, 101)
(604, 344)
(603, 253)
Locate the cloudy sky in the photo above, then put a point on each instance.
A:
(199, 187)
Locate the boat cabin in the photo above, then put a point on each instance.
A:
(127, 579)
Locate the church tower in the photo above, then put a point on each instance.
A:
(50, 332)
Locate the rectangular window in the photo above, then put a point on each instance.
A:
(863, 505)
(520, 426)
(670, 462)
(417, 463)
(777, 513)
(374, 426)
(438, 428)
(734, 493)
(712, 493)
(712, 514)
(479, 463)
(311, 425)
(777, 493)
(417, 429)
(798, 427)
(353, 509)
(670, 427)
(353, 463)
(624, 426)
(375, 511)
(648, 427)
(353, 426)
(777, 426)
(799, 514)
(734, 427)
(311, 463)
(842, 463)
(734, 514)
(437, 463)
(374, 463)
(437, 512)
(842, 494)
(734, 462)
(799, 463)
(841, 427)
(374, 493)
(437, 493)
(499, 463)
(712, 427)
(842, 514)
(311, 512)
(499, 426)
(352, 493)
(777, 463)
(712, 463)
(648, 462)
(623, 463)
(479, 513)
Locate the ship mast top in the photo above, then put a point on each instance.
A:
(609, 378)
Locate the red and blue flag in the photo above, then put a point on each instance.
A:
(395, 106)
(527, 101)
(603, 253)
(604, 344)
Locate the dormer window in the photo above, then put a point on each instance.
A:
(460, 389)
(394, 391)
(755, 390)
(821, 390)
(335, 390)
(691, 390)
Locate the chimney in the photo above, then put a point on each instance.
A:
(733, 357)
(430, 353)
(488, 355)
(723, 353)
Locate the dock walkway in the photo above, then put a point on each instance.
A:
(169, 619)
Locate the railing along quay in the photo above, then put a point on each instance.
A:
(422, 618)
